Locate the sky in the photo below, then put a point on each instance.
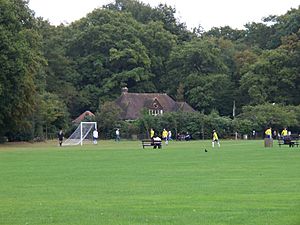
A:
(207, 13)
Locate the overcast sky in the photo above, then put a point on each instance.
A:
(207, 13)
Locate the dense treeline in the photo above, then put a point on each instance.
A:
(51, 74)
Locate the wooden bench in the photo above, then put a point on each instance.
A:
(290, 142)
(149, 142)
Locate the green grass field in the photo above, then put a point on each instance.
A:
(120, 183)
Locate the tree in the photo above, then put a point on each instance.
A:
(273, 78)
(20, 61)
(284, 25)
(275, 115)
(52, 112)
(225, 32)
(163, 13)
(159, 43)
(195, 65)
(108, 118)
(258, 34)
(214, 91)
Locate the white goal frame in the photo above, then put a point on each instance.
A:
(82, 137)
(75, 138)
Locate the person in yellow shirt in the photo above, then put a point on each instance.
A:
(268, 133)
(151, 133)
(165, 136)
(215, 138)
(284, 133)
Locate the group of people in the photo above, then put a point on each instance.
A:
(284, 133)
(165, 135)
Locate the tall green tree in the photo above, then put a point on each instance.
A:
(225, 32)
(108, 118)
(211, 92)
(20, 60)
(284, 25)
(145, 14)
(198, 65)
(273, 78)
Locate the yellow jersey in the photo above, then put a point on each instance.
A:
(215, 136)
(164, 134)
(268, 132)
(284, 132)
(151, 133)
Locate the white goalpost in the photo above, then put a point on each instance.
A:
(82, 131)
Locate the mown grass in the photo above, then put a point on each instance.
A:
(120, 183)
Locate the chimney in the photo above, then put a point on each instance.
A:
(124, 90)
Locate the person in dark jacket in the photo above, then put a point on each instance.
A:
(60, 137)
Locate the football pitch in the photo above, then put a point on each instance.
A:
(122, 184)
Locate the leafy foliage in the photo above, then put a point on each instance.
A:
(50, 75)
(20, 60)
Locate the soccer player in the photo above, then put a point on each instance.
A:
(165, 136)
(268, 133)
(284, 133)
(60, 136)
(285, 136)
(95, 136)
(215, 138)
(117, 135)
(170, 135)
(151, 133)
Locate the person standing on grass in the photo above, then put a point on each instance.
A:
(169, 135)
(60, 137)
(253, 134)
(95, 136)
(151, 133)
(268, 133)
(117, 135)
(215, 138)
(284, 133)
(164, 136)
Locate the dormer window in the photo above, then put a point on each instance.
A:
(155, 108)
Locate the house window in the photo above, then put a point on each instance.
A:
(155, 112)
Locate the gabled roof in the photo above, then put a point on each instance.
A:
(133, 103)
(153, 104)
(82, 116)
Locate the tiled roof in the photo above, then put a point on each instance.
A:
(82, 116)
(133, 103)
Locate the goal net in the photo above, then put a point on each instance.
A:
(81, 133)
